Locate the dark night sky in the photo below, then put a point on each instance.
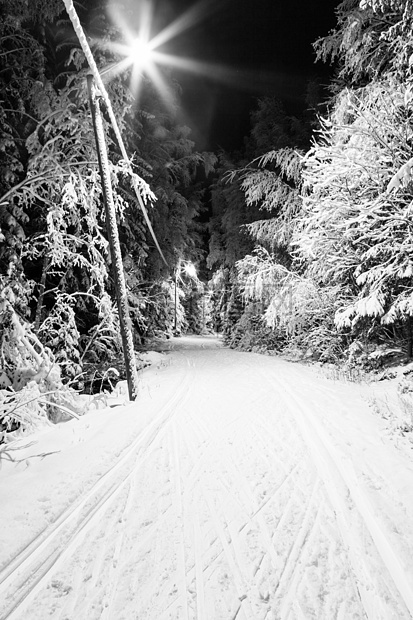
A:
(266, 44)
(256, 48)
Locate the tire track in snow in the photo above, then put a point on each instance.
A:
(297, 558)
(221, 502)
(178, 600)
(126, 540)
(192, 552)
(114, 574)
(24, 577)
(237, 562)
(287, 569)
(232, 557)
(249, 499)
(89, 595)
(295, 458)
(337, 473)
(182, 585)
(220, 526)
(199, 576)
(286, 589)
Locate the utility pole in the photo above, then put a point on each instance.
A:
(114, 244)
(176, 301)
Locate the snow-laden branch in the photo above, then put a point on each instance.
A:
(402, 177)
(138, 184)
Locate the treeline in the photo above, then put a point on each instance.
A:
(57, 300)
(311, 239)
(308, 228)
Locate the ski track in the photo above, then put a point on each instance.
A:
(397, 599)
(231, 505)
(21, 580)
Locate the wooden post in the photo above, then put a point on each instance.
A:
(409, 338)
(114, 244)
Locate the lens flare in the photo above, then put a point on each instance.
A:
(145, 50)
(141, 51)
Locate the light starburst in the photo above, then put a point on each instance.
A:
(146, 49)
(140, 47)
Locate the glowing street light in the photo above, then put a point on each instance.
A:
(137, 55)
(190, 269)
(136, 21)
(141, 52)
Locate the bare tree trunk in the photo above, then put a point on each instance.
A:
(114, 244)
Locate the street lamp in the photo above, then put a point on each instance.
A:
(190, 269)
(113, 234)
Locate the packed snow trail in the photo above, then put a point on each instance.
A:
(254, 490)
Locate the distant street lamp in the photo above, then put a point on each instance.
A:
(190, 269)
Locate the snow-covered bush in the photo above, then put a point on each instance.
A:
(300, 313)
(250, 333)
(31, 388)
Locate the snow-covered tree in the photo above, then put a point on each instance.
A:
(372, 38)
(54, 259)
(354, 232)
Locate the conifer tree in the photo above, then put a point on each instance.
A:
(51, 215)
(266, 273)
(372, 38)
(355, 232)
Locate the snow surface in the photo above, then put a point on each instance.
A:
(237, 486)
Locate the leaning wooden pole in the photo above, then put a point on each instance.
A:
(176, 304)
(114, 244)
(137, 182)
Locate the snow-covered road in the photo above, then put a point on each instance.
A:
(238, 486)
